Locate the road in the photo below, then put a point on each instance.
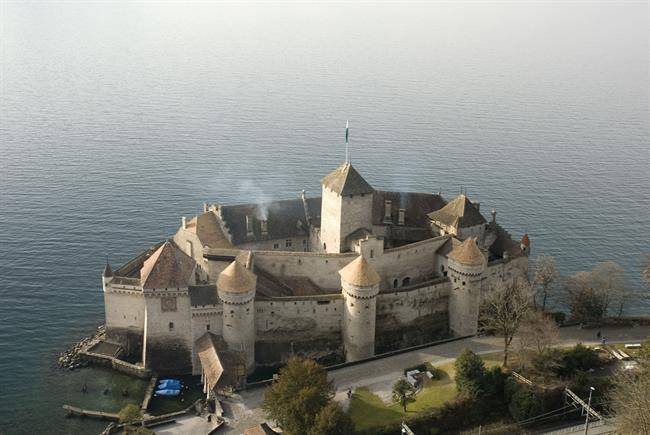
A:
(245, 410)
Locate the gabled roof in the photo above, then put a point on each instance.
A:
(207, 229)
(416, 207)
(220, 365)
(467, 253)
(236, 279)
(345, 180)
(460, 212)
(167, 267)
(360, 273)
(285, 218)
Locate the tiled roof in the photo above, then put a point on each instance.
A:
(345, 180)
(131, 269)
(467, 253)
(207, 229)
(360, 273)
(284, 219)
(236, 279)
(416, 207)
(460, 212)
(167, 267)
(201, 295)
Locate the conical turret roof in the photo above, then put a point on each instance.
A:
(108, 272)
(525, 240)
(360, 273)
(345, 180)
(468, 253)
(236, 279)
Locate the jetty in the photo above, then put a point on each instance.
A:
(99, 415)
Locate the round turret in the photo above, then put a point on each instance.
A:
(236, 289)
(360, 286)
(467, 266)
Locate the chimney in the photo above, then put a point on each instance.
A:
(265, 228)
(388, 218)
(184, 222)
(494, 216)
(205, 207)
(249, 226)
(400, 216)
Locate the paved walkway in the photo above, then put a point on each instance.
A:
(244, 410)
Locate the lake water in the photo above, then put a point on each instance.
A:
(116, 119)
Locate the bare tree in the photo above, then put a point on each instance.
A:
(536, 335)
(545, 278)
(504, 309)
(608, 279)
(631, 401)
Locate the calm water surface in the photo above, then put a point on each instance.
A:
(116, 119)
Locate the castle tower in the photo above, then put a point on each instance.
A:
(236, 288)
(165, 278)
(346, 207)
(467, 267)
(107, 275)
(360, 286)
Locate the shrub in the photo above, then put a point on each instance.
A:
(559, 317)
(470, 371)
(524, 404)
(578, 358)
(129, 413)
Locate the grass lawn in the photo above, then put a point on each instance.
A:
(368, 410)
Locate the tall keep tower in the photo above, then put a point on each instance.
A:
(360, 286)
(466, 266)
(346, 207)
(236, 288)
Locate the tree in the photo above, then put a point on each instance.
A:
(608, 279)
(537, 333)
(129, 413)
(504, 309)
(331, 420)
(403, 393)
(631, 401)
(586, 304)
(545, 278)
(470, 370)
(298, 395)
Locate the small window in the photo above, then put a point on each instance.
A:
(406, 282)
(463, 282)
(287, 243)
(372, 253)
(304, 242)
(207, 327)
(276, 246)
(395, 282)
(324, 246)
(171, 325)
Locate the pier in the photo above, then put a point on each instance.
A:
(73, 410)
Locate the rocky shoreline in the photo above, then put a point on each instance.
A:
(72, 359)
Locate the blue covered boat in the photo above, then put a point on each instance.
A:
(168, 392)
(169, 384)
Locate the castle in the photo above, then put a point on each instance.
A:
(341, 277)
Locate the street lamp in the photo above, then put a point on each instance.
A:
(591, 390)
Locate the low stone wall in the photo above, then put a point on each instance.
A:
(117, 364)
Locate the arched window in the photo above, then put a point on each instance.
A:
(395, 282)
(324, 246)
(406, 282)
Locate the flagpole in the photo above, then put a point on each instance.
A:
(347, 148)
